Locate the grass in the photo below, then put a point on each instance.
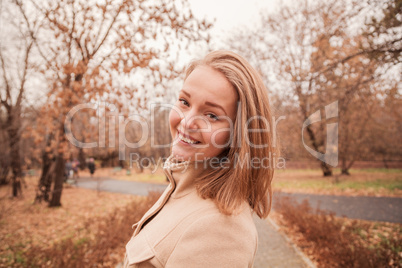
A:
(377, 170)
(363, 182)
(366, 182)
(143, 177)
(338, 170)
(148, 175)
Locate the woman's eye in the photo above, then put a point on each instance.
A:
(184, 102)
(213, 117)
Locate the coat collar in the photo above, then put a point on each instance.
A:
(183, 175)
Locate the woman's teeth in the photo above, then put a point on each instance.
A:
(187, 140)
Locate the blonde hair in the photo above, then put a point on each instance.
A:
(230, 187)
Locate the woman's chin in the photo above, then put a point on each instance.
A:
(183, 155)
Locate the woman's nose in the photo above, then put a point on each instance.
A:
(192, 121)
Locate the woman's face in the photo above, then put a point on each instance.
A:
(203, 116)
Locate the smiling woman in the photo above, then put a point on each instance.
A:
(220, 122)
(203, 104)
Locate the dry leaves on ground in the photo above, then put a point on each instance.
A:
(340, 242)
(24, 224)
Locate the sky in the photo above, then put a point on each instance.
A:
(226, 16)
(230, 14)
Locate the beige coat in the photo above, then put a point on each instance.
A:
(184, 230)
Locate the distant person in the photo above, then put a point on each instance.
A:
(91, 166)
(69, 171)
(75, 166)
(218, 173)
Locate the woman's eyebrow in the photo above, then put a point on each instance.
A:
(207, 102)
(185, 92)
(215, 105)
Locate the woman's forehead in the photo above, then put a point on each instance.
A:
(206, 80)
(205, 84)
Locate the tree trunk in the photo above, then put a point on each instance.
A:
(81, 159)
(17, 190)
(345, 171)
(346, 167)
(122, 163)
(4, 169)
(326, 169)
(58, 178)
(15, 158)
(45, 181)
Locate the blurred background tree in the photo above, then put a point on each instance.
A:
(313, 53)
(383, 32)
(89, 51)
(17, 66)
(114, 58)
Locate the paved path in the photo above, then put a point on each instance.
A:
(274, 249)
(388, 209)
(120, 186)
(366, 208)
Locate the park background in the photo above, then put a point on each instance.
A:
(121, 61)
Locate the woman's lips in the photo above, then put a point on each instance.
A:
(186, 139)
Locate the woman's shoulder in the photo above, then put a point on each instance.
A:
(207, 210)
(195, 215)
(214, 238)
(212, 220)
(195, 235)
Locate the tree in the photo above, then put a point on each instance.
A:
(16, 51)
(310, 52)
(92, 50)
(158, 143)
(353, 85)
(383, 32)
(386, 126)
(5, 156)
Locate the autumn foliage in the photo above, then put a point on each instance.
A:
(314, 53)
(97, 241)
(112, 233)
(119, 52)
(336, 243)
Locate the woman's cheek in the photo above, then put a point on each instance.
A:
(174, 117)
(220, 138)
